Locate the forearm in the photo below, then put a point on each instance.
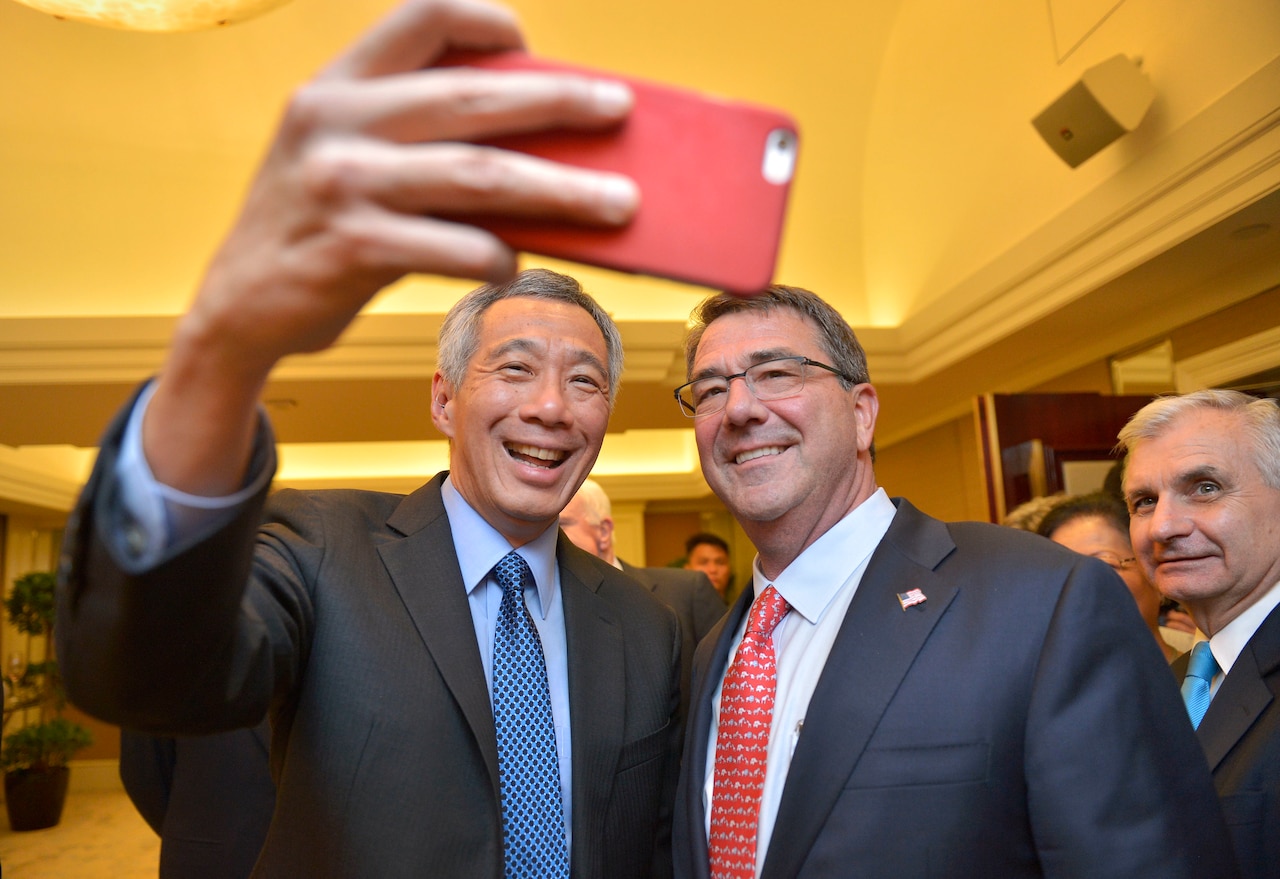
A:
(199, 428)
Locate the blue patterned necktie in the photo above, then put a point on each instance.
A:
(533, 837)
(1195, 686)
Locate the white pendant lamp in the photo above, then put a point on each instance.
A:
(156, 15)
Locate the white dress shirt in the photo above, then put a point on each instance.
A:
(818, 586)
(1228, 643)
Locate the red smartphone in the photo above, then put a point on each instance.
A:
(714, 176)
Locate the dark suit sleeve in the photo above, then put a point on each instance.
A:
(707, 608)
(1108, 748)
(141, 649)
(221, 806)
(662, 853)
(146, 770)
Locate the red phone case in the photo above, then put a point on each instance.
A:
(708, 215)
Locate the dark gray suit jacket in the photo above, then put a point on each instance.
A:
(209, 798)
(1240, 734)
(695, 601)
(345, 616)
(1020, 722)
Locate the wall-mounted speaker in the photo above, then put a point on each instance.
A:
(1109, 101)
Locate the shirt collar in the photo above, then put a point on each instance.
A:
(1230, 642)
(812, 580)
(479, 547)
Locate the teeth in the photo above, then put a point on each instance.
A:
(758, 453)
(553, 455)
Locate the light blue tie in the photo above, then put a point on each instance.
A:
(533, 837)
(1195, 686)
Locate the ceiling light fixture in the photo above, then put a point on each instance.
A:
(155, 15)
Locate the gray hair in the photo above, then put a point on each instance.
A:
(837, 338)
(595, 503)
(460, 332)
(1259, 422)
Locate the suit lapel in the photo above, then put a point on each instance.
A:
(425, 572)
(636, 574)
(1244, 693)
(876, 645)
(597, 699)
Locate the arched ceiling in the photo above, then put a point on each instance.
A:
(967, 255)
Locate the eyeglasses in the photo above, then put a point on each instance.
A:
(1115, 561)
(770, 380)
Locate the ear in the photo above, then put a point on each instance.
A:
(605, 541)
(866, 407)
(442, 404)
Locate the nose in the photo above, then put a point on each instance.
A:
(741, 405)
(1168, 520)
(546, 403)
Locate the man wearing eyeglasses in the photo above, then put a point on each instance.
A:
(895, 696)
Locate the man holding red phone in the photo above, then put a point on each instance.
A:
(404, 648)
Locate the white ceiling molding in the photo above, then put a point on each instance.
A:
(1228, 363)
(1143, 369)
(129, 349)
(1224, 159)
(665, 486)
(49, 478)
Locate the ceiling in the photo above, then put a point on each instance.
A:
(966, 254)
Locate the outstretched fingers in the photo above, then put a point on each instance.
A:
(458, 179)
(418, 32)
(458, 103)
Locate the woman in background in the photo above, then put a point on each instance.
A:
(1098, 525)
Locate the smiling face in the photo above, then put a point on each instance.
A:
(527, 423)
(788, 469)
(1204, 524)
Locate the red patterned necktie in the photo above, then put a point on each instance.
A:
(742, 742)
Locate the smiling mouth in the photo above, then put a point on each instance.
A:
(1173, 560)
(744, 457)
(535, 456)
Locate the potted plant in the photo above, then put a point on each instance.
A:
(34, 758)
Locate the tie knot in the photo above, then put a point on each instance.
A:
(1202, 664)
(767, 611)
(511, 573)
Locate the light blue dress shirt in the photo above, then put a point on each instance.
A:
(479, 547)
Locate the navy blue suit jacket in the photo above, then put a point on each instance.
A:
(1020, 722)
(1240, 734)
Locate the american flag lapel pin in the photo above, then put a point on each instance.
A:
(911, 598)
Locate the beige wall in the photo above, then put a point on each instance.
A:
(940, 471)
